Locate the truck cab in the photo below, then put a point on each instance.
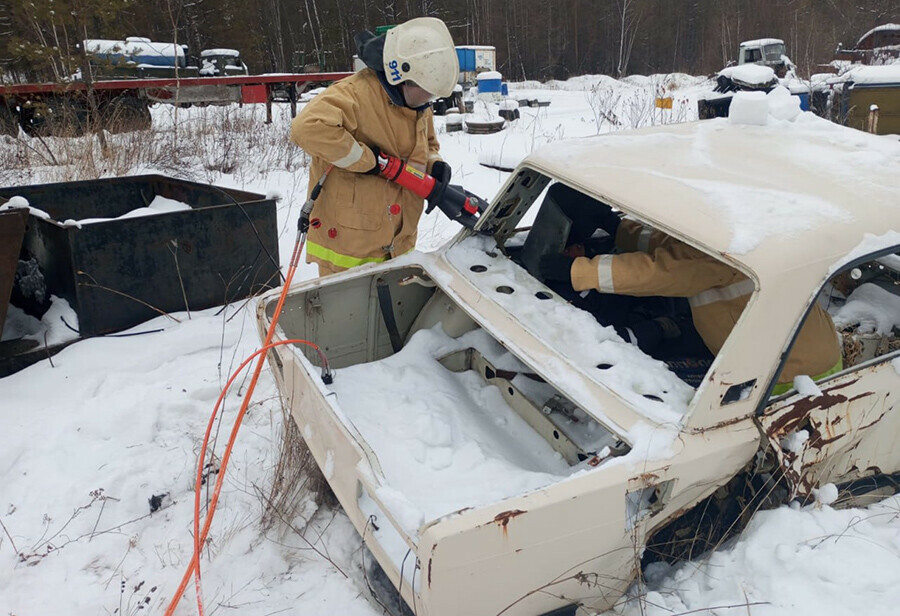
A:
(221, 62)
(767, 52)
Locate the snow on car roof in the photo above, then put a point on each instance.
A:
(775, 198)
(219, 52)
(763, 41)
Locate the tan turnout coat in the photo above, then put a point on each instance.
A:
(654, 263)
(353, 221)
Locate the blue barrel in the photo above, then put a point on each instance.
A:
(504, 89)
(804, 100)
(489, 82)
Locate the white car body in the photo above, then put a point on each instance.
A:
(787, 209)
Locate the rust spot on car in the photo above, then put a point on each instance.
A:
(872, 423)
(858, 396)
(841, 385)
(502, 519)
(801, 408)
(823, 442)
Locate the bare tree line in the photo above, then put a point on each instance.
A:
(534, 39)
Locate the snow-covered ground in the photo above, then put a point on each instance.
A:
(110, 423)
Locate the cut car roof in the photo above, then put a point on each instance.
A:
(775, 198)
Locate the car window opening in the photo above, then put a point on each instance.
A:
(674, 302)
(863, 301)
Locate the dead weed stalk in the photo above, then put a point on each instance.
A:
(297, 481)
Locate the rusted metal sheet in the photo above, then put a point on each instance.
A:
(12, 230)
(851, 431)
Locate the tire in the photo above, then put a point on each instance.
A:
(57, 117)
(124, 114)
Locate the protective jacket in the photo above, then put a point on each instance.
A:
(657, 264)
(361, 218)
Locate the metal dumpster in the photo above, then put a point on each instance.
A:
(117, 272)
(12, 228)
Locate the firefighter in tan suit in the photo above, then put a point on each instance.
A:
(360, 217)
(652, 263)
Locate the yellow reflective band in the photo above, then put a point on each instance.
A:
(335, 258)
(782, 388)
(413, 171)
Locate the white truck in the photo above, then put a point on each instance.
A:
(766, 52)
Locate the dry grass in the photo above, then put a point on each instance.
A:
(298, 486)
(200, 143)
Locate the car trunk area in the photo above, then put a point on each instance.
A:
(450, 424)
(453, 418)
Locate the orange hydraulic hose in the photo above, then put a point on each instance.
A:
(200, 538)
(218, 486)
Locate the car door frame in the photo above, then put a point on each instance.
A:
(852, 425)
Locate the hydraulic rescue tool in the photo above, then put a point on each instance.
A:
(456, 202)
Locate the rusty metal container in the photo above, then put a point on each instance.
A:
(12, 229)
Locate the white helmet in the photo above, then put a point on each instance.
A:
(421, 50)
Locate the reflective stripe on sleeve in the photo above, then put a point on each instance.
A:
(722, 294)
(335, 258)
(604, 274)
(356, 152)
(782, 388)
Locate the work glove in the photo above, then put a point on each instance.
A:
(440, 171)
(556, 267)
(377, 152)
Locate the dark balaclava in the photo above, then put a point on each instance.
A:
(370, 49)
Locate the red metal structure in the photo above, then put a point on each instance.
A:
(880, 45)
(123, 104)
